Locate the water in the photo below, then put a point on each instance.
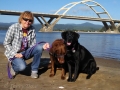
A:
(100, 45)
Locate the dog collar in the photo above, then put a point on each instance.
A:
(73, 50)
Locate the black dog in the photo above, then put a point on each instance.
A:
(77, 57)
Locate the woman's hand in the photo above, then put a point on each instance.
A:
(19, 55)
(46, 46)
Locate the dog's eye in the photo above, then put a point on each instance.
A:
(60, 55)
(69, 35)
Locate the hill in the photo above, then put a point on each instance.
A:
(84, 26)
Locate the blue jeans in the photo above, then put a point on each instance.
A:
(19, 64)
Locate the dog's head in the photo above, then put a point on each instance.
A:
(70, 37)
(58, 50)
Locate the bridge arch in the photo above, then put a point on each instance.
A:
(69, 6)
(66, 8)
(47, 25)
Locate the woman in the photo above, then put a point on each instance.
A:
(20, 45)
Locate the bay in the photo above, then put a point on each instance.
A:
(99, 44)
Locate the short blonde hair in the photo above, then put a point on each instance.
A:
(26, 14)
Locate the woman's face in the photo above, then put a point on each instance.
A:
(26, 22)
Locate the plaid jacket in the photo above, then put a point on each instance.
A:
(13, 39)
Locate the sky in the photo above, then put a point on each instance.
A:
(52, 6)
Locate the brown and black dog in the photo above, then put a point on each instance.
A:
(57, 53)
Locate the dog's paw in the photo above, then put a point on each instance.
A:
(89, 76)
(70, 80)
(51, 75)
(62, 77)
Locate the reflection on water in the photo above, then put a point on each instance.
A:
(100, 45)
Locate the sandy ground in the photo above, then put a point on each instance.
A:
(107, 78)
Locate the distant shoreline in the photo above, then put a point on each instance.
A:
(84, 32)
(88, 32)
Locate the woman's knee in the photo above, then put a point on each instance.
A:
(18, 64)
(39, 48)
(21, 67)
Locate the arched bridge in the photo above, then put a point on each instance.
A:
(47, 25)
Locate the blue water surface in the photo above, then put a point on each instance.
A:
(100, 45)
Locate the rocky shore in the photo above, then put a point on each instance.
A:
(106, 78)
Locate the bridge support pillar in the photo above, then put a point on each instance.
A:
(117, 26)
(46, 29)
(106, 27)
(114, 28)
(48, 26)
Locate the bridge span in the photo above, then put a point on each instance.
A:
(54, 18)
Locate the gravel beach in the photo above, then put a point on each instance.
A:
(106, 78)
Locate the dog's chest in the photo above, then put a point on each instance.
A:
(70, 53)
(72, 50)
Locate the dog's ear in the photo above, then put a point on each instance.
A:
(51, 49)
(63, 34)
(77, 35)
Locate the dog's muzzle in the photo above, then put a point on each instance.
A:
(60, 58)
